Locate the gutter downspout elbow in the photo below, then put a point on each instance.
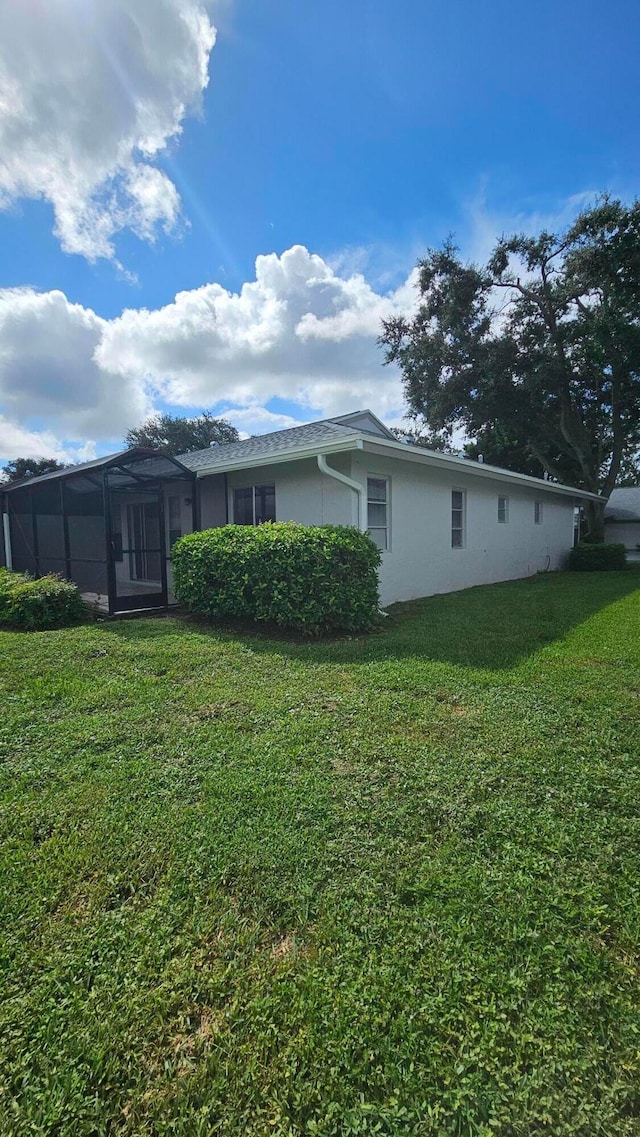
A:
(355, 486)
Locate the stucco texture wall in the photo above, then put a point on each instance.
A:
(302, 493)
(421, 561)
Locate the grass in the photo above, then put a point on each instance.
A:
(386, 885)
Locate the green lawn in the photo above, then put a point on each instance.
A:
(382, 885)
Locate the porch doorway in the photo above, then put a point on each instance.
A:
(138, 545)
(143, 527)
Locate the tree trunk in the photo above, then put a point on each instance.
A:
(595, 521)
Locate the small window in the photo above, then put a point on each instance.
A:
(457, 518)
(253, 505)
(378, 511)
(537, 512)
(175, 521)
(503, 510)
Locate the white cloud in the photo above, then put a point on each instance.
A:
(16, 441)
(91, 91)
(298, 331)
(257, 420)
(302, 331)
(48, 373)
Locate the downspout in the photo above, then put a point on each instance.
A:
(362, 505)
(7, 541)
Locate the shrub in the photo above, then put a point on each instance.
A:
(309, 578)
(35, 605)
(597, 557)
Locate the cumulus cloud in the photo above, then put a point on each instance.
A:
(48, 372)
(299, 331)
(15, 441)
(91, 91)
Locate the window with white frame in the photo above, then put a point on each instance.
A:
(537, 512)
(378, 511)
(458, 503)
(503, 510)
(253, 505)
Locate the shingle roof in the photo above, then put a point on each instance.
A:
(280, 441)
(624, 504)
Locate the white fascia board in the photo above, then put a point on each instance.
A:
(277, 458)
(476, 469)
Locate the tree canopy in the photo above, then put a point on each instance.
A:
(174, 435)
(535, 354)
(29, 468)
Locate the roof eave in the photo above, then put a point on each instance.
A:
(397, 450)
(435, 458)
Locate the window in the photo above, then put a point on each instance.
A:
(457, 518)
(503, 510)
(252, 505)
(243, 506)
(378, 511)
(265, 504)
(537, 512)
(175, 521)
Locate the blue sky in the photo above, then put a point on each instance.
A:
(362, 132)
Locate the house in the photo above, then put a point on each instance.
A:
(622, 519)
(442, 522)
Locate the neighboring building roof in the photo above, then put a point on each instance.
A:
(624, 504)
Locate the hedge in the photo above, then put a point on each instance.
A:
(36, 605)
(597, 558)
(312, 579)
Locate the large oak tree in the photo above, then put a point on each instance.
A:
(537, 353)
(174, 435)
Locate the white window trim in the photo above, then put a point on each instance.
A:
(387, 480)
(458, 489)
(503, 520)
(538, 513)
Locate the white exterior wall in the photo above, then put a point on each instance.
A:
(626, 533)
(421, 561)
(302, 493)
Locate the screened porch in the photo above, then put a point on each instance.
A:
(107, 525)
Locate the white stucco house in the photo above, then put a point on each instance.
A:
(442, 522)
(622, 520)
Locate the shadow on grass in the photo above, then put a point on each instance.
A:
(490, 627)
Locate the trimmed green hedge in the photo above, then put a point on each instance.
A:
(597, 558)
(312, 579)
(36, 605)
